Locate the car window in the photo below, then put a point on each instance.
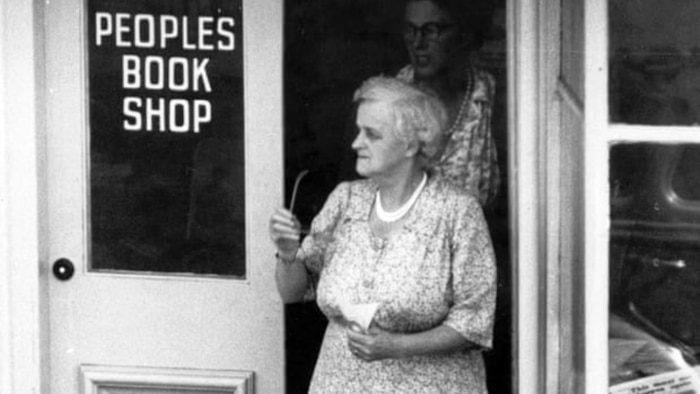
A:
(685, 181)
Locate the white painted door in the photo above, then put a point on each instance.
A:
(133, 318)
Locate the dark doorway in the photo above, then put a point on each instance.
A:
(331, 46)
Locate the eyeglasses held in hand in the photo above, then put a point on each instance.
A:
(296, 188)
(294, 194)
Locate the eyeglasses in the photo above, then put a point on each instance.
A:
(296, 188)
(325, 236)
(430, 31)
(298, 179)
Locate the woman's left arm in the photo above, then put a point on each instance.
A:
(473, 280)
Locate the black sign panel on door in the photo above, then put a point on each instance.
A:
(166, 136)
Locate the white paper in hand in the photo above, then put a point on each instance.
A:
(360, 314)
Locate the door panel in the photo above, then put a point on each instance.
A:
(117, 316)
(105, 380)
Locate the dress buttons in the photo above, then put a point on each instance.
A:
(378, 243)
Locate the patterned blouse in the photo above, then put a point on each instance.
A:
(439, 270)
(470, 160)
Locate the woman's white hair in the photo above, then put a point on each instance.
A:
(418, 116)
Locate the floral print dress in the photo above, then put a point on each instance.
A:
(438, 270)
(469, 159)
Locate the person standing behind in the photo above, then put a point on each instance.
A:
(441, 37)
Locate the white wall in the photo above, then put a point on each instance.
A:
(20, 367)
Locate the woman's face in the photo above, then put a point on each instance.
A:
(380, 152)
(431, 37)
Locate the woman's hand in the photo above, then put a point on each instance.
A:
(290, 275)
(377, 344)
(285, 231)
(373, 344)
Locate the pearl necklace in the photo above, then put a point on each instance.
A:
(463, 107)
(385, 216)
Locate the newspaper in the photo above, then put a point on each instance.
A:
(685, 381)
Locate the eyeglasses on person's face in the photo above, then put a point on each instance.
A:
(431, 31)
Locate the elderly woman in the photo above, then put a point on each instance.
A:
(402, 240)
(442, 37)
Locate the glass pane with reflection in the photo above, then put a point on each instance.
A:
(654, 264)
(166, 136)
(654, 62)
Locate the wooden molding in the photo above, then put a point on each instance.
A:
(100, 379)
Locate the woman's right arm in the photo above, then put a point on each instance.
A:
(292, 281)
(298, 267)
(290, 273)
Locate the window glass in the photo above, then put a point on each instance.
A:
(654, 265)
(684, 185)
(654, 62)
(166, 136)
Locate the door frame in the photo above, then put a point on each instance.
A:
(597, 205)
(21, 117)
(546, 119)
(534, 142)
(523, 188)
